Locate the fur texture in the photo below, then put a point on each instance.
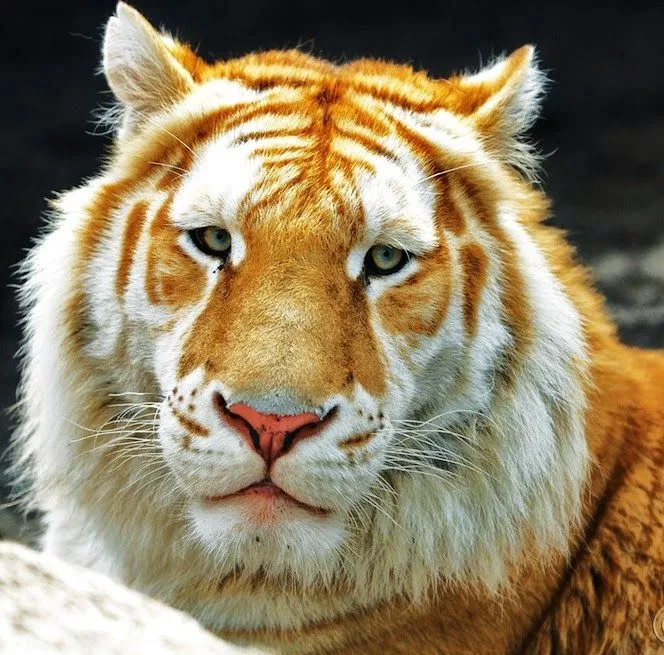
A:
(472, 390)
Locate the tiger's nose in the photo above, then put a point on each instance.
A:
(271, 435)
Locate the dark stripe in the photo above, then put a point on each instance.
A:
(132, 232)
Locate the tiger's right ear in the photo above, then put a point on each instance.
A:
(139, 65)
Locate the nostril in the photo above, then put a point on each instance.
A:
(220, 401)
(237, 421)
(308, 429)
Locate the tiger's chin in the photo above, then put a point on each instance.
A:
(263, 529)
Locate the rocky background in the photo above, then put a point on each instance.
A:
(602, 126)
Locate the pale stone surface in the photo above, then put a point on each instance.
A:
(50, 607)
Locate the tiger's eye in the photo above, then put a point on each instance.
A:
(212, 240)
(384, 260)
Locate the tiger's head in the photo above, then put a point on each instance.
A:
(345, 350)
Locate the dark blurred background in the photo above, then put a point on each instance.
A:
(602, 124)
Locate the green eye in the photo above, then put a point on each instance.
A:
(212, 240)
(384, 260)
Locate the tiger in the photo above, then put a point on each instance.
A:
(306, 361)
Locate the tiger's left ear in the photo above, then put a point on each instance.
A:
(140, 65)
(503, 101)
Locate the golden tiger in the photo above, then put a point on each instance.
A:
(305, 362)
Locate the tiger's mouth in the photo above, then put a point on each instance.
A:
(265, 492)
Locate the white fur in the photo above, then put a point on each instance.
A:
(517, 104)
(140, 70)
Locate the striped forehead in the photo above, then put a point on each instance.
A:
(287, 161)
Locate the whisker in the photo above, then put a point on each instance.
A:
(136, 406)
(133, 393)
(423, 436)
(154, 123)
(449, 170)
(171, 167)
(146, 429)
(122, 460)
(150, 469)
(372, 500)
(418, 471)
(438, 416)
(420, 463)
(151, 481)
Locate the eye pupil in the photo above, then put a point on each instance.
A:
(385, 254)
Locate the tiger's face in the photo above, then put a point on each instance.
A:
(364, 367)
(305, 281)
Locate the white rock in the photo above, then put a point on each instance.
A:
(48, 606)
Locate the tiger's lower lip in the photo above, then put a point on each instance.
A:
(266, 490)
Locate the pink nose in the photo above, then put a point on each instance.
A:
(271, 435)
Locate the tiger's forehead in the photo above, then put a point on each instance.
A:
(310, 162)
